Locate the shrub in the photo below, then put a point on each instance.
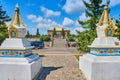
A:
(45, 38)
(70, 38)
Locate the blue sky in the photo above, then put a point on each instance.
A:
(47, 14)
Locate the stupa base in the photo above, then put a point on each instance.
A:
(100, 67)
(19, 68)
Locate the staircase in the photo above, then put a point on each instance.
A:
(59, 42)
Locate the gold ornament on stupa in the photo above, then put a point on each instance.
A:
(106, 26)
(17, 28)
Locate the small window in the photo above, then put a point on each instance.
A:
(109, 32)
(2, 53)
(13, 34)
(119, 51)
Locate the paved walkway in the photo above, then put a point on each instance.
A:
(58, 51)
(61, 67)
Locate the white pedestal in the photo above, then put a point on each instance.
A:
(19, 68)
(100, 67)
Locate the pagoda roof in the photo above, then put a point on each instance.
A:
(58, 29)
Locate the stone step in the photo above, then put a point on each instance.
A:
(59, 42)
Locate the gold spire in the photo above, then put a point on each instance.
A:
(17, 28)
(105, 17)
(22, 23)
(16, 16)
(17, 19)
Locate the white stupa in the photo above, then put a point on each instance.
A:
(17, 62)
(103, 61)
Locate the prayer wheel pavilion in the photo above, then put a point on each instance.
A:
(103, 60)
(17, 62)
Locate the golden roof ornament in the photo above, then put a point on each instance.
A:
(16, 16)
(17, 28)
(106, 26)
(105, 17)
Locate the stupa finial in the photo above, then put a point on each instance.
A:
(105, 16)
(16, 20)
(17, 27)
(17, 6)
(106, 26)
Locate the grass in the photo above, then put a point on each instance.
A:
(41, 55)
(77, 57)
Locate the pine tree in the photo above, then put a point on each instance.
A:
(3, 32)
(37, 33)
(27, 35)
(3, 29)
(94, 11)
(3, 16)
(63, 33)
(54, 32)
(118, 30)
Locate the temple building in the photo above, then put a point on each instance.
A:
(16, 58)
(58, 32)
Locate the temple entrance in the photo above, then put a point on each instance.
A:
(58, 35)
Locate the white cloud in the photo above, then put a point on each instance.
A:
(68, 22)
(73, 6)
(71, 25)
(45, 23)
(50, 13)
(82, 17)
(42, 22)
(114, 2)
(73, 31)
(32, 17)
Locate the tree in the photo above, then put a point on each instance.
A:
(54, 32)
(63, 33)
(37, 33)
(94, 11)
(3, 29)
(3, 16)
(3, 32)
(28, 34)
(45, 38)
(71, 38)
(118, 30)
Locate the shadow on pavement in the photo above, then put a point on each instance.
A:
(46, 71)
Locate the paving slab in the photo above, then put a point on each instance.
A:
(61, 67)
(57, 51)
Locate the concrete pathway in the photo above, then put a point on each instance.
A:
(61, 67)
(57, 51)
